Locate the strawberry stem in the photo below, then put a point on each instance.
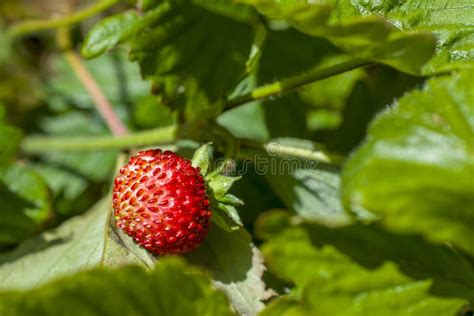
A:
(297, 81)
(283, 150)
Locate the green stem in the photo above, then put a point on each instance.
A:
(289, 84)
(279, 150)
(34, 26)
(38, 144)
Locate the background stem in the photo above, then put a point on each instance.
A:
(38, 144)
(34, 26)
(289, 84)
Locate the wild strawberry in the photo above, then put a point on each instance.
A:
(160, 200)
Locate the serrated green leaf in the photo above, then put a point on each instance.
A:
(398, 34)
(332, 273)
(202, 158)
(117, 29)
(108, 33)
(367, 37)
(450, 21)
(25, 201)
(175, 50)
(130, 291)
(236, 266)
(9, 141)
(415, 167)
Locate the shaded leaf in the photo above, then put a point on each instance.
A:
(306, 185)
(236, 266)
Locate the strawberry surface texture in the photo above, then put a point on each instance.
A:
(160, 200)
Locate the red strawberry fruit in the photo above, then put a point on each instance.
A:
(160, 201)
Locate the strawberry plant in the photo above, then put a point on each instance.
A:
(252, 157)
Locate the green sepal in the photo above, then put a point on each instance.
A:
(202, 158)
(223, 204)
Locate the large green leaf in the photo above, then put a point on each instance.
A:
(172, 288)
(331, 269)
(90, 240)
(83, 242)
(370, 246)
(391, 299)
(75, 245)
(25, 203)
(370, 37)
(415, 169)
(399, 34)
(452, 22)
(190, 53)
